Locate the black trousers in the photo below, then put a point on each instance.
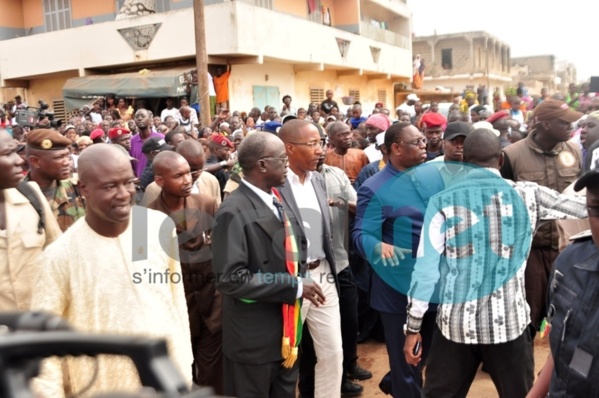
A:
(451, 367)
(348, 306)
(269, 380)
(208, 359)
(406, 380)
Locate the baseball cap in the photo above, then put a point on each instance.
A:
(412, 97)
(156, 144)
(456, 129)
(555, 109)
(271, 127)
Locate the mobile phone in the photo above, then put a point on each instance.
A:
(416, 349)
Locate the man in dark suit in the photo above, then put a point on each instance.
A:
(389, 218)
(306, 187)
(250, 264)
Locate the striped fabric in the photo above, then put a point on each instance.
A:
(482, 296)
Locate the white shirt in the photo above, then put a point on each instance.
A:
(310, 212)
(268, 200)
(168, 112)
(373, 153)
(211, 90)
(407, 108)
(265, 197)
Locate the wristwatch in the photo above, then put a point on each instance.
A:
(223, 163)
(407, 331)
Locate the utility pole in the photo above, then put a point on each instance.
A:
(202, 62)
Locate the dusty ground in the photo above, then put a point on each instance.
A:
(373, 356)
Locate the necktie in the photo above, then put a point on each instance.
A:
(279, 208)
(292, 318)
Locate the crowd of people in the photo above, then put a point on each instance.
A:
(264, 246)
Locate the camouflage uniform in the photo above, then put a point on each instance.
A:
(68, 205)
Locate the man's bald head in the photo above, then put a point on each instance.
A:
(190, 149)
(166, 161)
(335, 128)
(293, 130)
(100, 158)
(482, 148)
(254, 148)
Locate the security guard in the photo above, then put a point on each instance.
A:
(572, 318)
(50, 167)
(26, 228)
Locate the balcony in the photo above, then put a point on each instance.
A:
(394, 7)
(377, 33)
(260, 3)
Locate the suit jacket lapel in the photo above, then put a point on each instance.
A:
(265, 217)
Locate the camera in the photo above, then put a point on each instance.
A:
(28, 337)
(31, 116)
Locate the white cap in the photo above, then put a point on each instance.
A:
(380, 138)
(486, 125)
(412, 97)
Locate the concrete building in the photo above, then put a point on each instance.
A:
(458, 60)
(358, 48)
(536, 72)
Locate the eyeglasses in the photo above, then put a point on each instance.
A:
(313, 144)
(418, 142)
(283, 159)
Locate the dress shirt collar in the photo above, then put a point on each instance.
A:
(294, 178)
(267, 198)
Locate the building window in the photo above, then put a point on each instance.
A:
(382, 97)
(354, 95)
(316, 95)
(446, 58)
(161, 5)
(57, 14)
(59, 110)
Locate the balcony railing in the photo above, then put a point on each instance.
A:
(386, 36)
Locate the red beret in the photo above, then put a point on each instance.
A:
(221, 140)
(433, 120)
(97, 133)
(117, 132)
(503, 114)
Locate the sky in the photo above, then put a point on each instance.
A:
(567, 29)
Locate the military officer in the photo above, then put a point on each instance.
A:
(572, 321)
(50, 167)
(26, 228)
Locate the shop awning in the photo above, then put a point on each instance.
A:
(79, 91)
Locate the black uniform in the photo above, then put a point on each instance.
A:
(574, 317)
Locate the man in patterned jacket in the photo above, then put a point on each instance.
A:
(475, 241)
